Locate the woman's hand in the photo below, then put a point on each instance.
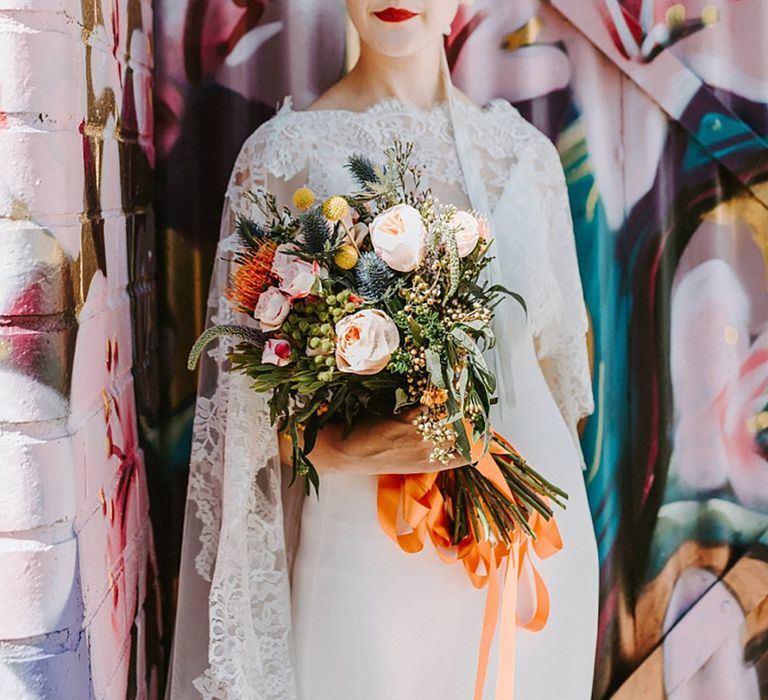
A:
(375, 446)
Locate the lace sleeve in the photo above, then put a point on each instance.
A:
(232, 635)
(562, 341)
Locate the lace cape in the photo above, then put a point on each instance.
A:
(241, 523)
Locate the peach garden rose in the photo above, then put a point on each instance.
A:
(365, 342)
(468, 232)
(399, 237)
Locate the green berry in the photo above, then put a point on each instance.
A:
(331, 300)
(330, 361)
(319, 359)
(314, 343)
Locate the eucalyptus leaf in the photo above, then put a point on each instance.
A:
(416, 331)
(401, 399)
(435, 368)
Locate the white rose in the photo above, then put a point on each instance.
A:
(399, 237)
(468, 232)
(302, 278)
(271, 309)
(365, 342)
(276, 352)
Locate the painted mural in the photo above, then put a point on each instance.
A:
(660, 112)
(80, 607)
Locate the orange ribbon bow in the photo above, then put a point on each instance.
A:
(416, 502)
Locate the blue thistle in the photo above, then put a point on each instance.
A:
(251, 234)
(316, 230)
(374, 277)
(363, 170)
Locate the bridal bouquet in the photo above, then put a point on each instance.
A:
(372, 302)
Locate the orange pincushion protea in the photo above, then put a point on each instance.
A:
(253, 275)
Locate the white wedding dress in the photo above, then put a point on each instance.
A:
(334, 610)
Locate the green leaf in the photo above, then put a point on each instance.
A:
(416, 332)
(335, 403)
(462, 441)
(313, 478)
(401, 399)
(435, 368)
(479, 365)
(250, 335)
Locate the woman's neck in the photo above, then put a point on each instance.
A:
(415, 79)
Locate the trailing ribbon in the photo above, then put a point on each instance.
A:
(411, 507)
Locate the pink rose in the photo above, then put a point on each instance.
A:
(271, 309)
(301, 278)
(484, 228)
(399, 237)
(283, 258)
(365, 341)
(467, 229)
(276, 352)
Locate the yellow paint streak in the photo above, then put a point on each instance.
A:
(525, 35)
(595, 466)
(748, 208)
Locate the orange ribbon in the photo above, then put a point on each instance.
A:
(411, 507)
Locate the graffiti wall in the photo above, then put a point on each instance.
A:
(659, 111)
(79, 605)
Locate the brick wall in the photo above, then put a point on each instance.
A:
(78, 605)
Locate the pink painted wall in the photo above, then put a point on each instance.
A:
(79, 603)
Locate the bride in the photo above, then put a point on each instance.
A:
(284, 597)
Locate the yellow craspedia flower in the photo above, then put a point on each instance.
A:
(303, 198)
(335, 208)
(346, 257)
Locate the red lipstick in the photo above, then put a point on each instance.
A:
(395, 14)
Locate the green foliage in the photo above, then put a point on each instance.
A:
(280, 223)
(400, 362)
(250, 335)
